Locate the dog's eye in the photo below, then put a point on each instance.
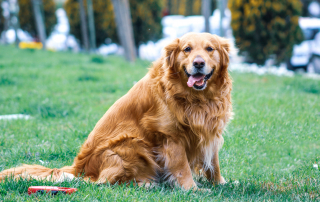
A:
(209, 49)
(188, 49)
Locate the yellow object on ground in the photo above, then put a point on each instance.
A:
(30, 45)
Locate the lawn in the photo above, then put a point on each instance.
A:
(270, 145)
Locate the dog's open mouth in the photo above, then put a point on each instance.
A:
(198, 81)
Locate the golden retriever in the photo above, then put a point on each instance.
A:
(169, 124)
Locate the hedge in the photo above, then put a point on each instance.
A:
(265, 28)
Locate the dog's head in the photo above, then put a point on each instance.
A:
(198, 59)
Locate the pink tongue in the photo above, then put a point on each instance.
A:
(193, 79)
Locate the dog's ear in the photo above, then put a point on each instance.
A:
(224, 50)
(171, 51)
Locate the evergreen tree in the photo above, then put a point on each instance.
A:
(264, 28)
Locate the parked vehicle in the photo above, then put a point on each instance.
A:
(307, 54)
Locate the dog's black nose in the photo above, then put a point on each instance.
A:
(198, 62)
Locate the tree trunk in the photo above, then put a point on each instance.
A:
(169, 4)
(206, 12)
(91, 25)
(5, 28)
(189, 7)
(178, 7)
(124, 27)
(84, 29)
(39, 22)
(220, 6)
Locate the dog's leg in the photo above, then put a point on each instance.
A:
(176, 163)
(127, 159)
(214, 175)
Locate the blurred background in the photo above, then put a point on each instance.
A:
(63, 63)
(283, 34)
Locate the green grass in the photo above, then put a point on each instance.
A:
(269, 148)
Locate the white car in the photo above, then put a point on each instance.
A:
(307, 54)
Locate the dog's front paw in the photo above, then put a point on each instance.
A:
(189, 186)
(221, 181)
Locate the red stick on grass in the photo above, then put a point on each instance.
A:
(52, 190)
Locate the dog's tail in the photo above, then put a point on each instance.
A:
(39, 172)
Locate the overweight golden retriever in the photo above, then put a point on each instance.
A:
(169, 124)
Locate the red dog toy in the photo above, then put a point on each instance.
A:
(52, 190)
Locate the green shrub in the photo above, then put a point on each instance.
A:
(264, 28)
(146, 18)
(97, 59)
(27, 20)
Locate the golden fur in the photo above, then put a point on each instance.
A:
(161, 128)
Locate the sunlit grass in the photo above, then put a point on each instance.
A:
(269, 148)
